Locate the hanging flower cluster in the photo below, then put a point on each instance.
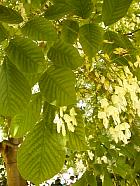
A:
(62, 117)
(127, 86)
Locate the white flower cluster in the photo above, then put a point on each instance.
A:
(128, 85)
(62, 118)
(121, 132)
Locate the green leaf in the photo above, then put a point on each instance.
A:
(114, 41)
(81, 182)
(24, 122)
(91, 179)
(137, 162)
(26, 55)
(76, 139)
(70, 31)
(32, 78)
(58, 86)
(41, 155)
(122, 168)
(65, 55)
(61, 8)
(3, 33)
(40, 29)
(137, 37)
(91, 37)
(114, 10)
(36, 3)
(15, 91)
(58, 10)
(107, 180)
(9, 16)
(82, 8)
(49, 112)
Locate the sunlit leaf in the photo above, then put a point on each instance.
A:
(41, 155)
(65, 55)
(26, 55)
(91, 37)
(58, 86)
(39, 28)
(114, 10)
(15, 91)
(24, 122)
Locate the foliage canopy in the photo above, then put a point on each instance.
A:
(83, 58)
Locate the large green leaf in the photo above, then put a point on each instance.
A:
(113, 10)
(91, 37)
(14, 90)
(70, 31)
(58, 86)
(65, 55)
(39, 28)
(26, 55)
(81, 8)
(24, 122)
(9, 15)
(3, 33)
(58, 10)
(61, 8)
(76, 139)
(41, 155)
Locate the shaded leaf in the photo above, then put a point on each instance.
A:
(70, 31)
(76, 139)
(119, 48)
(3, 33)
(61, 8)
(91, 37)
(58, 86)
(24, 122)
(39, 28)
(82, 8)
(114, 10)
(58, 10)
(41, 155)
(122, 168)
(81, 182)
(107, 180)
(15, 91)
(9, 15)
(137, 162)
(91, 179)
(64, 55)
(26, 55)
(49, 112)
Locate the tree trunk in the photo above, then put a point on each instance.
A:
(10, 158)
